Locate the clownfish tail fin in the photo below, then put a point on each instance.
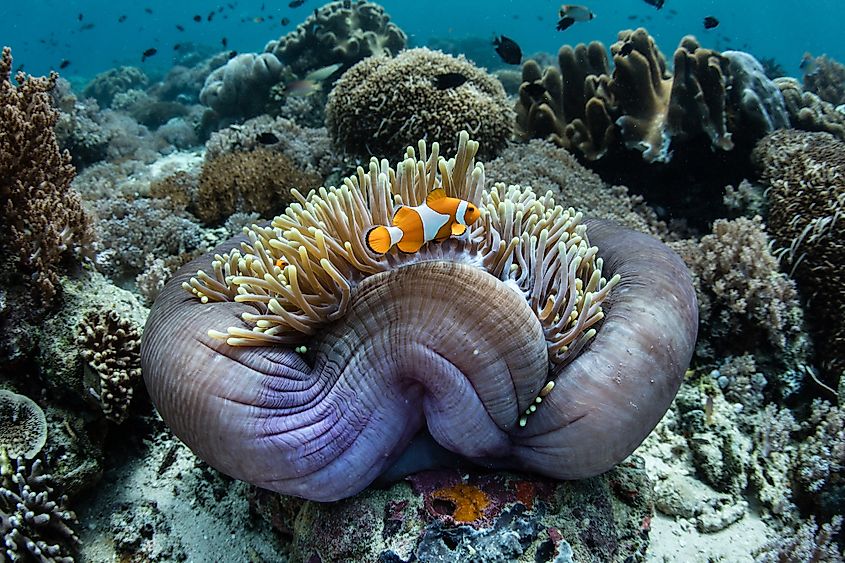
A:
(378, 240)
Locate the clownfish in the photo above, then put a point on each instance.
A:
(438, 218)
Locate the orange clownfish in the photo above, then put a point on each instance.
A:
(438, 218)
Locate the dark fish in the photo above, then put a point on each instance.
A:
(148, 53)
(267, 138)
(148, 10)
(673, 12)
(508, 50)
(656, 3)
(86, 26)
(179, 27)
(231, 6)
(210, 16)
(449, 80)
(262, 7)
(710, 22)
(79, 17)
(177, 46)
(258, 19)
(197, 18)
(219, 9)
(570, 13)
(632, 17)
(534, 90)
(121, 19)
(296, 3)
(284, 21)
(626, 49)
(64, 63)
(224, 42)
(233, 54)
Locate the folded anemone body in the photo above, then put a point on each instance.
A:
(296, 358)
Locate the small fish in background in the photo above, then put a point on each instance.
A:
(449, 80)
(79, 17)
(322, 73)
(710, 22)
(197, 18)
(296, 3)
(177, 46)
(86, 26)
(632, 17)
(224, 42)
(508, 50)
(210, 16)
(148, 53)
(437, 219)
(179, 27)
(267, 138)
(148, 10)
(302, 88)
(121, 19)
(626, 49)
(64, 64)
(262, 6)
(570, 13)
(258, 19)
(656, 3)
(233, 54)
(808, 64)
(284, 21)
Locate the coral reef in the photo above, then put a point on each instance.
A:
(256, 181)
(806, 175)
(820, 459)
(366, 119)
(809, 112)
(241, 87)
(810, 542)
(338, 32)
(305, 322)
(111, 347)
(106, 85)
(34, 523)
(643, 106)
(42, 216)
(23, 427)
(827, 80)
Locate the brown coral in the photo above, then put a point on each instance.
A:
(806, 175)
(258, 181)
(827, 81)
(42, 217)
(110, 345)
(809, 112)
(339, 32)
(23, 427)
(382, 105)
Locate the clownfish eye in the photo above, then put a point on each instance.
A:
(471, 208)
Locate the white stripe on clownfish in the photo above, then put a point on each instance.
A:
(432, 220)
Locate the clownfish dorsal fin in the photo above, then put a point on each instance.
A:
(434, 195)
(402, 215)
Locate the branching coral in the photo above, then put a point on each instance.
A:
(821, 458)
(42, 218)
(23, 427)
(806, 175)
(339, 32)
(498, 343)
(259, 181)
(367, 118)
(641, 104)
(34, 524)
(110, 345)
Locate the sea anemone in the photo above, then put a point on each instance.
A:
(300, 361)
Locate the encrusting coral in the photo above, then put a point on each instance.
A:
(641, 104)
(42, 218)
(23, 427)
(365, 116)
(111, 347)
(806, 175)
(497, 342)
(338, 32)
(34, 524)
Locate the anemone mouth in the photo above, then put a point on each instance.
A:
(300, 273)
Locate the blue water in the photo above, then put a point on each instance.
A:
(42, 33)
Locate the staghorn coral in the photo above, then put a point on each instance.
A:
(42, 219)
(338, 32)
(366, 118)
(746, 303)
(380, 347)
(33, 525)
(241, 87)
(641, 105)
(809, 112)
(110, 346)
(106, 85)
(806, 175)
(256, 181)
(23, 427)
(827, 80)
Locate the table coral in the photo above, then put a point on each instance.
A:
(43, 222)
(23, 427)
(498, 343)
(366, 118)
(806, 175)
(339, 32)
